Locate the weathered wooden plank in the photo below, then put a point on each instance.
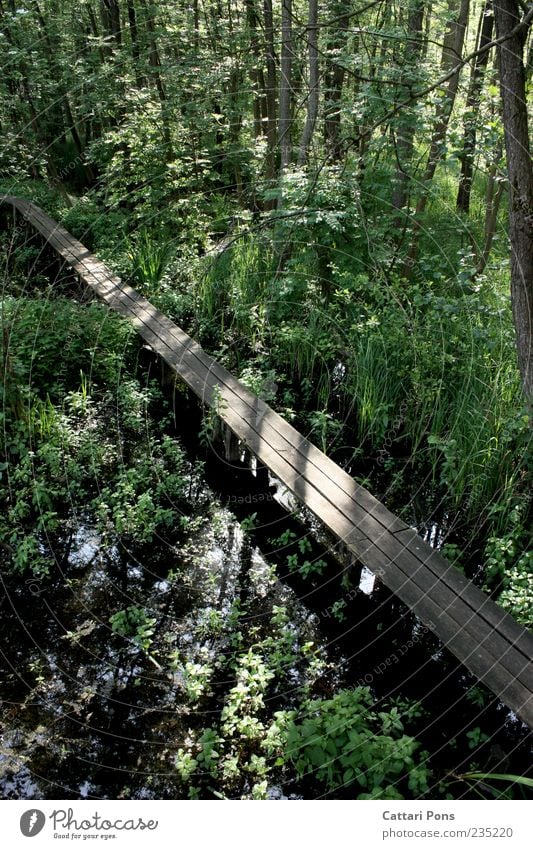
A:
(477, 600)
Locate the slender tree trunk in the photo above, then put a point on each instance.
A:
(96, 32)
(257, 80)
(429, 12)
(235, 119)
(285, 118)
(493, 196)
(472, 105)
(155, 64)
(333, 84)
(135, 48)
(520, 171)
(271, 70)
(451, 55)
(55, 70)
(405, 133)
(312, 100)
(271, 106)
(196, 22)
(110, 14)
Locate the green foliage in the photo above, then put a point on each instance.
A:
(261, 383)
(231, 292)
(249, 522)
(478, 695)
(80, 447)
(337, 610)
(306, 568)
(517, 595)
(330, 744)
(285, 539)
(307, 300)
(224, 752)
(144, 498)
(328, 216)
(196, 678)
(101, 229)
(37, 190)
(51, 341)
(324, 429)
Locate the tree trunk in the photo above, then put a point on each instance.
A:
(63, 99)
(256, 78)
(312, 100)
(235, 125)
(155, 64)
(135, 48)
(271, 85)
(451, 56)
(520, 171)
(472, 105)
(95, 31)
(333, 84)
(493, 196)
(427, 33)
(196, 23)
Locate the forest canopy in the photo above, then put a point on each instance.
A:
(336, 200)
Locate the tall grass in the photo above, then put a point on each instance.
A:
(373, 386)
(149, 258)
(231, 292)
(472, 448)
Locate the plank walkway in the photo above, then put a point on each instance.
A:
(490, 644)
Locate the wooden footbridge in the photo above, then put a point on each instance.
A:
(489, 643)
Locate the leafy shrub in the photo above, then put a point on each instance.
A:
(96, 226)
(83, 456)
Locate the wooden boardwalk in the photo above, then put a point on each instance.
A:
(490, 644)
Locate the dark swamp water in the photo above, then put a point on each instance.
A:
(88, 713)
